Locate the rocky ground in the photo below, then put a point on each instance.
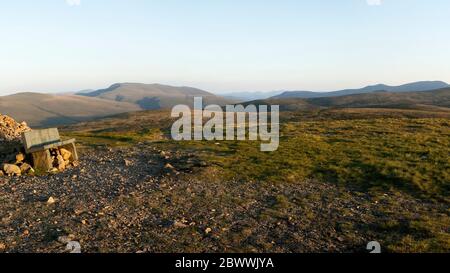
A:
(141, 199)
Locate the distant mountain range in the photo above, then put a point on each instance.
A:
(154, 96)
(430, 100)
(44, 110)
(410, 87)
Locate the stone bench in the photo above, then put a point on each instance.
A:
(39, 142)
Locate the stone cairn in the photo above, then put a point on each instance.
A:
(12, 158)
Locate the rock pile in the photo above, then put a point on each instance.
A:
(10, 130)
(61, 159)
(17, 168)
(13, 161)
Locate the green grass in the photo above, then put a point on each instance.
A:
(119, 138)
(376, 155)
(381, 154)
(406, 154)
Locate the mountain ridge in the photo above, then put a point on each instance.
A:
(39, 109)
(44, 110)
(431, 100)
(155, 96)
(420, 86)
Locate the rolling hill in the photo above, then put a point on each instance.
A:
(44, 110)
(41, 110)
(430, 100)
(154, 96)
(410, 87)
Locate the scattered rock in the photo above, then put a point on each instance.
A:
(169, 166)
(208, 230)
(61, 163)
(65, 154)
(73, 247)
(127, 162)
(26, 168)
(51, 201)
(11, 169)
(178, 224)
(66, 239)
(20, 158)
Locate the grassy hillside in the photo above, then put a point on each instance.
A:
(409, 87)
(49, 110)
(350, 146)
(437, 100)
(44, 110)
(385, 158)
(155, 96)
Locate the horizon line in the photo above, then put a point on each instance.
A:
(216, 92)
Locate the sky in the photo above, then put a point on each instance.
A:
(222, 45)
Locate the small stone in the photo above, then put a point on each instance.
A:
(169, 166)
(66, 239)
(65, 154)
(20, 158)
(178, 224)
(11, 169)
(61, 163)
(208, 230)
(247, 232)
(51, 201)
(73, 247)
(26, 168)
(128, 163)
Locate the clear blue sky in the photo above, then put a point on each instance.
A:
(222, 45)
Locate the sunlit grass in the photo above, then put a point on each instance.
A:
(405, 156)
